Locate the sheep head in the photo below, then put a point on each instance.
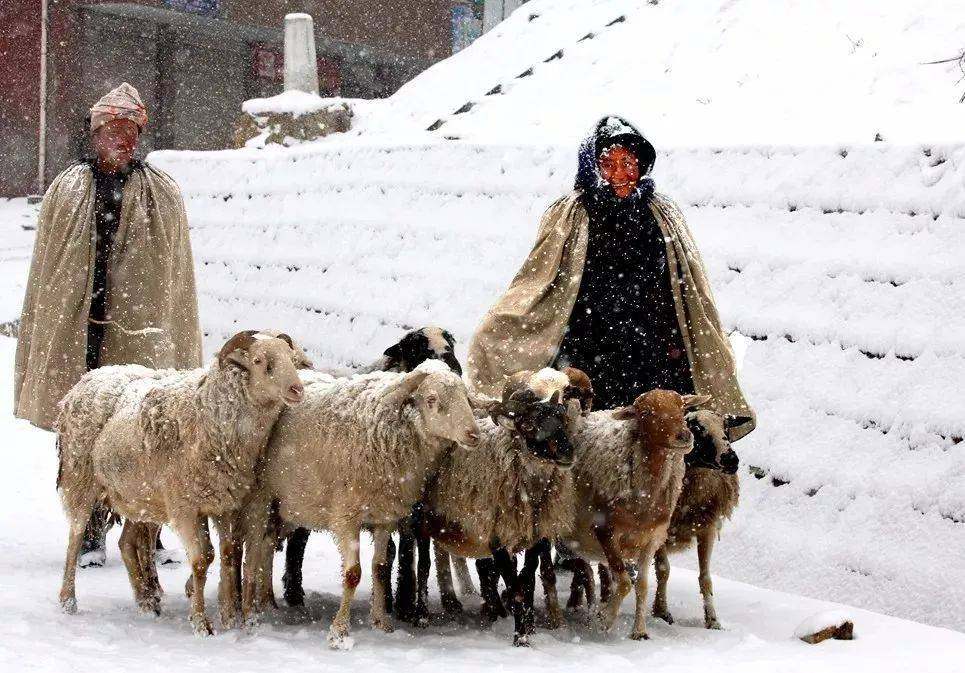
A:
(660, 418)
(441, 399)
(541, 424)
(417, 346)
(712, 447)
(269, 364)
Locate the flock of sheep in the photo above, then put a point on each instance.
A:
(268, 448)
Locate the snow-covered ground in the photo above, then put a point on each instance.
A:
(108, 635)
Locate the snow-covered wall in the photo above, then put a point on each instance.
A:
(843, 263)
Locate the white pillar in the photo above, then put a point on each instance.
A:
(510, 6)
(301, 65)
(492, 14)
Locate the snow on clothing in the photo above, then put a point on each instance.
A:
(123, 102)
(525, 328)
(623, 329)
(151, 310)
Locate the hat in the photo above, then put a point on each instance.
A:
(124, 102)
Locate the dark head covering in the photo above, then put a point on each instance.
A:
(610, 131)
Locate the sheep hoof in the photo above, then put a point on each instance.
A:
(665, 616)
(713, 624)
(451, 605)
(230, 619)
(294, 595)
(382, 624)
(520, 640)
(338, 638)
(93, 559)
(69, 605)
(150, 605)
(202, 627)
(637, 635)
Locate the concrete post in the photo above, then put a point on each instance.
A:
(492, 14)
(301, 65)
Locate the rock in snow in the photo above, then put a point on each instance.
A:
(827, 625)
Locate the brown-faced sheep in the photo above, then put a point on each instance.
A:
(171, 447)
(356, 453)
(710, 493)
(629, 473)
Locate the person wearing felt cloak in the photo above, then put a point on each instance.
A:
(111, 277)
(615, 286)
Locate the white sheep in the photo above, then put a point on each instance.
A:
(356, 454)
(171, 447)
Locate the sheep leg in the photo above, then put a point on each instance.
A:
(135, 535)
(146, 550)
(643, 573)
(424, 544)
(189, 583)
(79, 511)
(387, 580)
(191, 530)
(611, 609)
(347, 538)
(492, 608)
(606, 582)
(662, 568)
(579, 568)
(522, 591)
(406, 582)
(547, 574)
(229, 596)
(294, 560)
(377, 614)
(705, 549)
(258, 554)
(466, 587)
(450, 604)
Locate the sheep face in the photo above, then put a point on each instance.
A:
(427, 343)
(269, 363)
(443, 403)
(712, 448)
(541, 424)
(660, 418)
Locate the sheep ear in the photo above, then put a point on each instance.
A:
(229, 355)
(691, 401)
(555, 397)
(403, 391)
(625, 414)
(451, 340)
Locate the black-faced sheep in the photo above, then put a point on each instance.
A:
(509, 495)
(356, 454)
(710, 493)
(171, 447)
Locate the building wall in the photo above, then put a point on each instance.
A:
(19, 95)
(193, 78)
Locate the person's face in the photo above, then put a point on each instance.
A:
(115, 143)
(620, 169)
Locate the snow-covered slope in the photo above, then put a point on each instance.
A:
(843, 263)
(697, 73)
(107, 635)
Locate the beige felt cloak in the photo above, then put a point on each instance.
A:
(152, 309)
(524, 328)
